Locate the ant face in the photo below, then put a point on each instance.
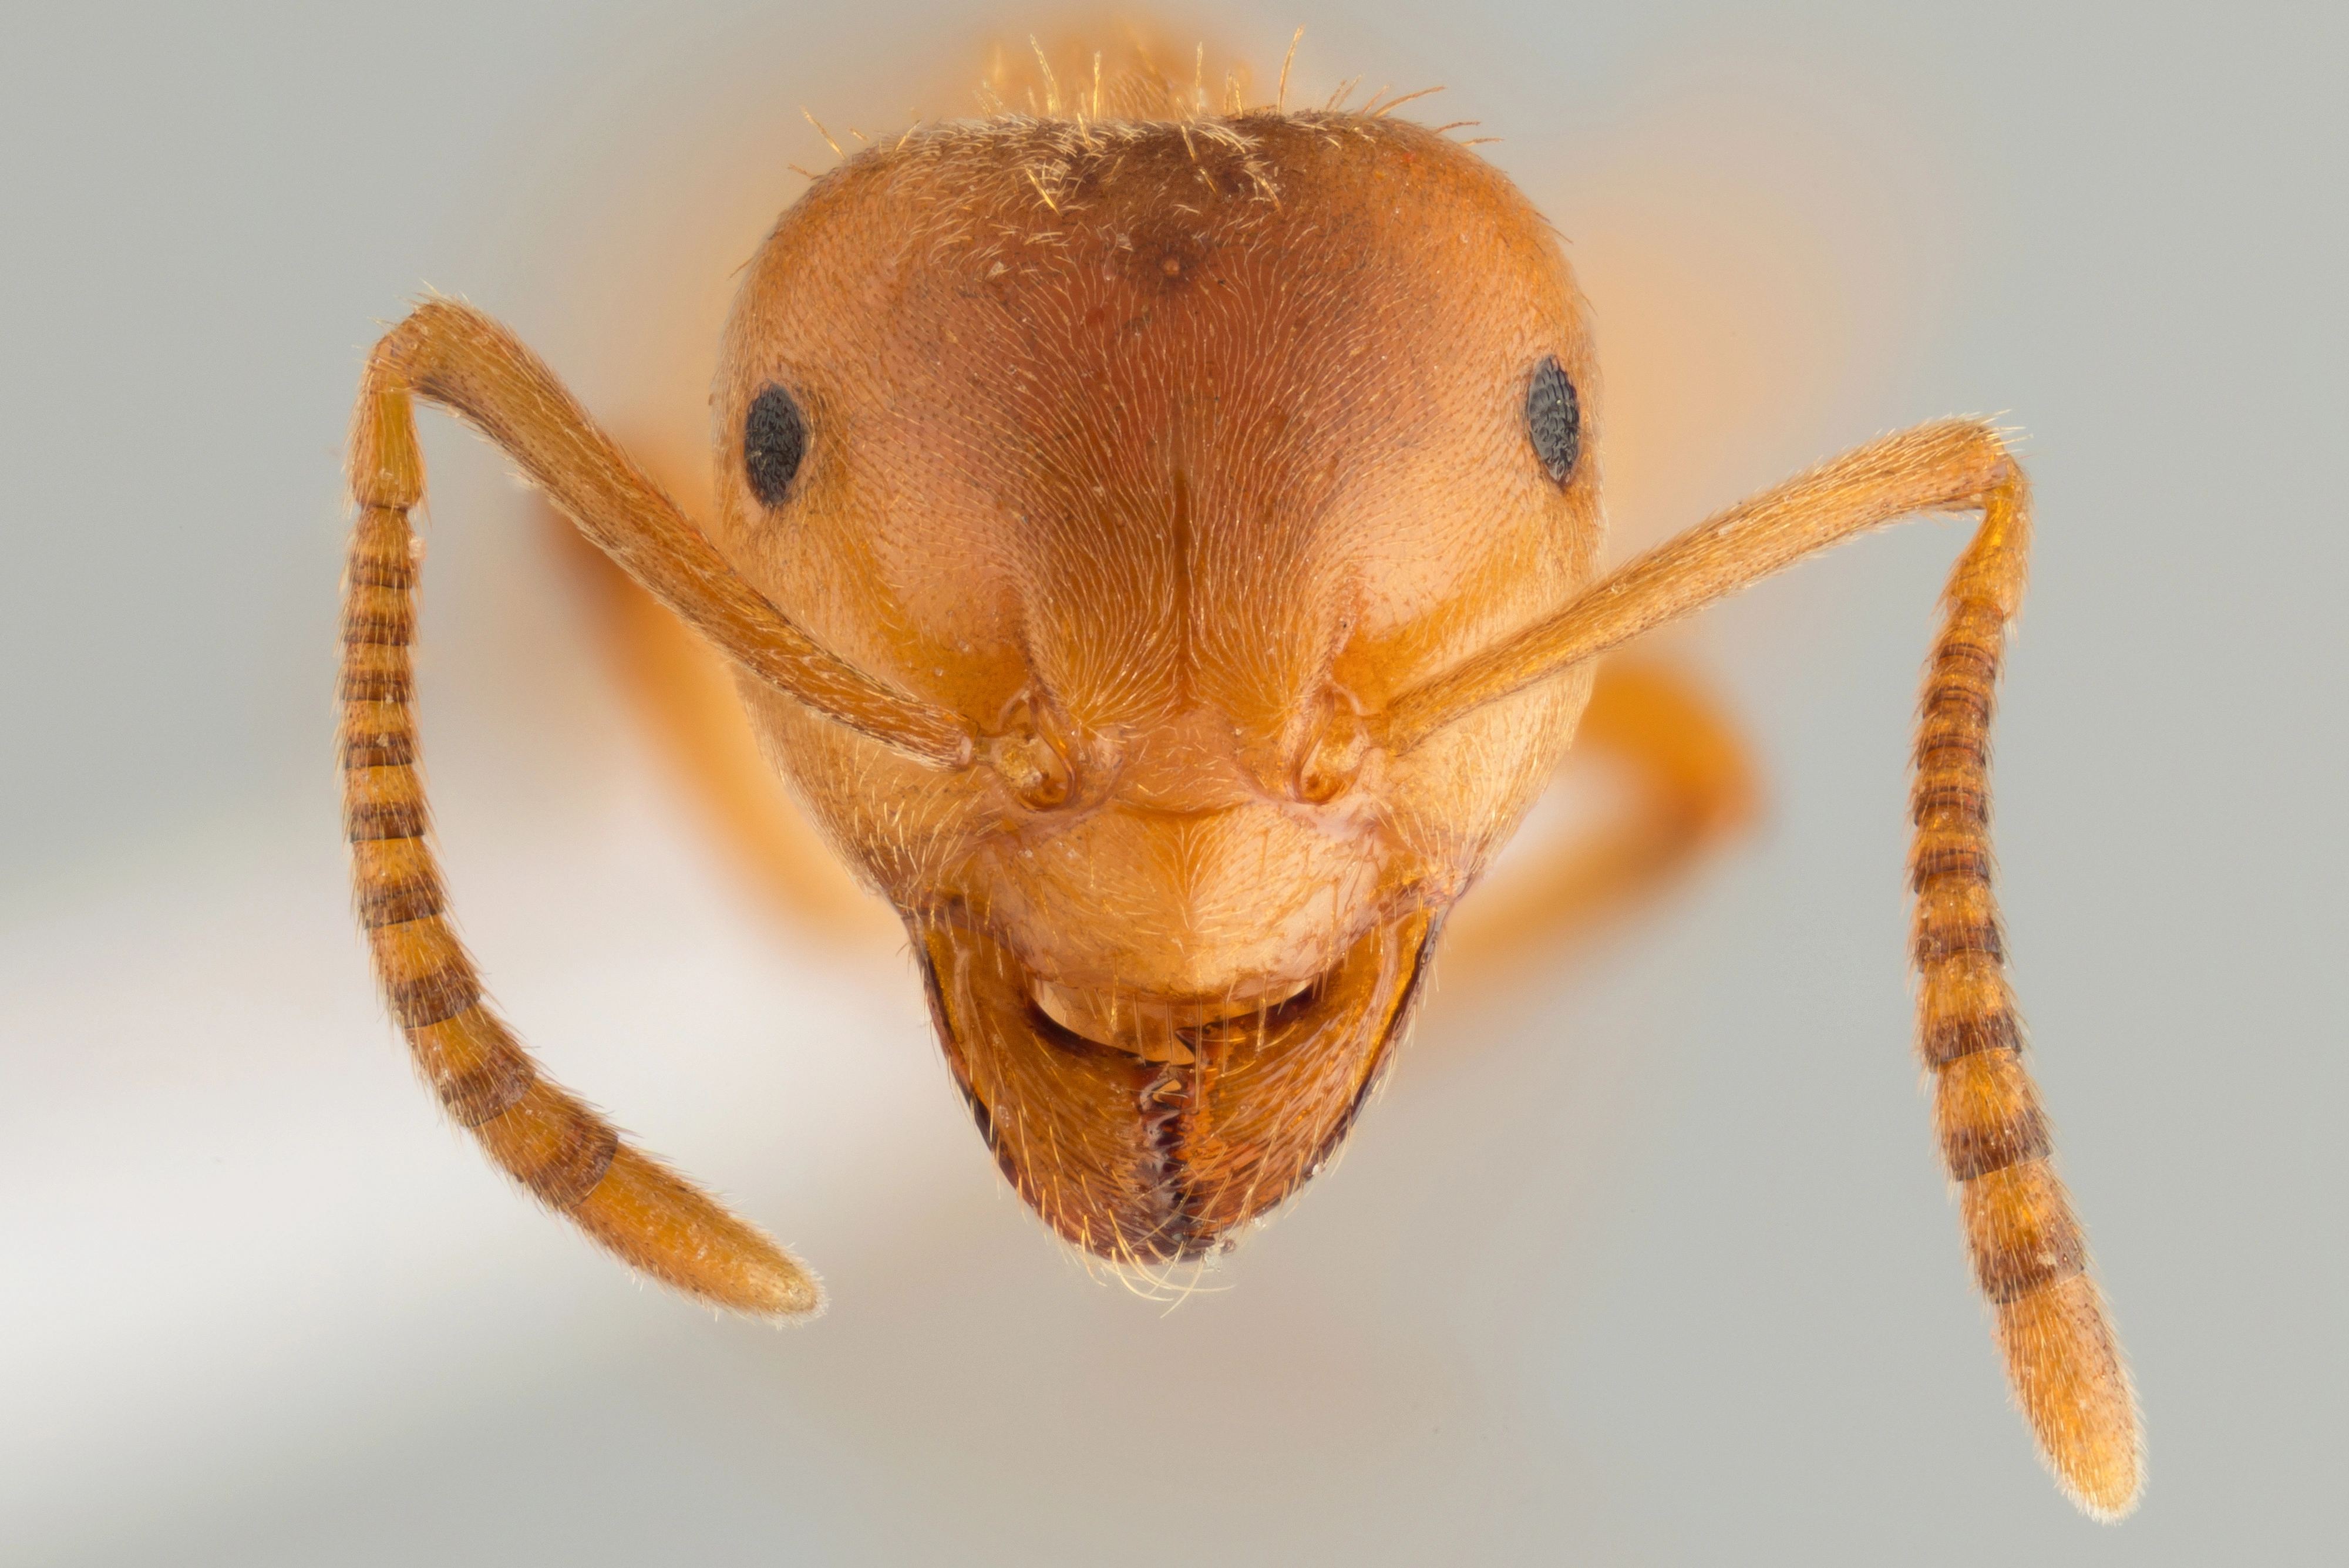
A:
(1168, 455)
(1160, 552)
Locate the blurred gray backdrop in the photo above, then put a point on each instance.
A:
(1643, 1257)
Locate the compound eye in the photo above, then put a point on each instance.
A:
(774, 443)
(1554, 418)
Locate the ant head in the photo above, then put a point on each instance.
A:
(1168, 453)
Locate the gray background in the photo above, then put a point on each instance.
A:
(1643, 1256)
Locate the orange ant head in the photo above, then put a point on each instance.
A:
(1168, 454)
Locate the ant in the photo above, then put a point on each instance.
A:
(1159, 544)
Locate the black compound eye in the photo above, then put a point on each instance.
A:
(774, 442)
(1554, 418)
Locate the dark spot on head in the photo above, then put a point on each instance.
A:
(1554, 418)
(774, 442)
